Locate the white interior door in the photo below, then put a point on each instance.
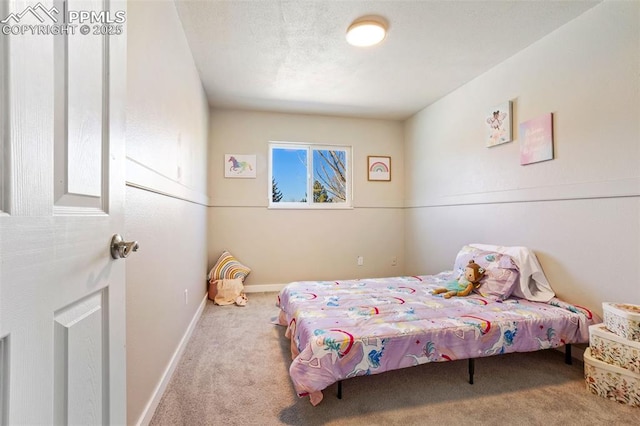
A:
(62, 298)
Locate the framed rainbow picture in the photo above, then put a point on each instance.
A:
(379, 168)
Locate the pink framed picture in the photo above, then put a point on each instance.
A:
(536, 139)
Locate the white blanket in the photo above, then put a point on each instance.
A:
(229, 289)
(534, 285)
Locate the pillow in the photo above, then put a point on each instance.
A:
(498, 283)
(463, 257)
(533, 284)
(228, 266)
(501, 274)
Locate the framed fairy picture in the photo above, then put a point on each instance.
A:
(498, 124)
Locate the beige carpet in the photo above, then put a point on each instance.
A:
(234, 371)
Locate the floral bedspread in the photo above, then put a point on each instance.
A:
(342, 329)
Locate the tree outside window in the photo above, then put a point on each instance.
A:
(300, 169)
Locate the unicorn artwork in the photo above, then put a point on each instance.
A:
(240, 166)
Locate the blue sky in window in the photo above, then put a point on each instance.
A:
(289, 167)
(319, 162)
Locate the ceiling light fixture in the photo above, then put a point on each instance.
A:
(367, 31)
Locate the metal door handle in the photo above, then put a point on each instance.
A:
(120, 248)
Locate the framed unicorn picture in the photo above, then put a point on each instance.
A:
(239, 166)
(379, 168)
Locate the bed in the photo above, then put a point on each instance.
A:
(348, 328)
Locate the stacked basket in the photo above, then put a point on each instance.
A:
(612, 361)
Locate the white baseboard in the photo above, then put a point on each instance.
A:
(261, 288)
(150, 408)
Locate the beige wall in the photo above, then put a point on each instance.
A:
(287, 245)
(581, 211)
(167, 121)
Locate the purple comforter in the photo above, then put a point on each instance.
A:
(341, 329)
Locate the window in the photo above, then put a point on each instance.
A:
(309, 176)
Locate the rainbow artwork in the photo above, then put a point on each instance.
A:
(379, 168)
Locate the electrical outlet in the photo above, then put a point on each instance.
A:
(394, 261)
(186, 296)
(360, 260)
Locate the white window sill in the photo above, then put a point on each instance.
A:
(294, 206)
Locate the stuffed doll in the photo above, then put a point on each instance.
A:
(473, 273)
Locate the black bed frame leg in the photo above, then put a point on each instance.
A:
(340, 389)
(567, 354)
(472, 365)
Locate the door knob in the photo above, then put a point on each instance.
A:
(120, 248)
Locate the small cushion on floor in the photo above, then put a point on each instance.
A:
(228, 266)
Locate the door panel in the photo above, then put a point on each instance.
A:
(4, 378)
(80, 120)
(79, 365)
(85, 75)
(61, 295)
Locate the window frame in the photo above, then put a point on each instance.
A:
(310, 204)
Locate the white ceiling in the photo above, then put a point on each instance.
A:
(292, 56)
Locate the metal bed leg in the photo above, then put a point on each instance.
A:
(472, 365)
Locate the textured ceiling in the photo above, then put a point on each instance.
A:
(292, 56)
